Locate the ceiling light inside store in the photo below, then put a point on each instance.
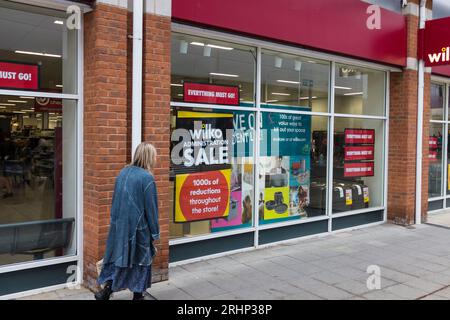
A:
(31, 98)
(7, 104)
(27, 110)
(307, 98)
(343, 88)
(38, 54)
(270, 101)
(219, 47)
(59, 86)
(312, 61)
(288, 81)
(176, 84)
(354, 94)
(278, 62)
(224, 75)
(1, 107)
(200, 44)
(17, 101)
(19, 112)
(59, 22)
(280, 94)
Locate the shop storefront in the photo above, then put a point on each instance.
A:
(274, 177)
(40, 103)
(270, 126)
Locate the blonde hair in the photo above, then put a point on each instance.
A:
(145, 156)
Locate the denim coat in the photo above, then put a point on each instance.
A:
(134, 219)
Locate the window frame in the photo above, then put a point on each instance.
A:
(332, 61)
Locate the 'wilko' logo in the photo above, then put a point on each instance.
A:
(443, 56)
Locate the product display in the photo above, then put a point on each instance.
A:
(277, 204)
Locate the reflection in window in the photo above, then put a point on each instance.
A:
(294, 81)
(207, 61)
(437, 101)
(37, 42)
(359, 91)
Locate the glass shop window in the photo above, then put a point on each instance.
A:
(37, 178)
(37, 50)
(437, 101)
(290, 81)
(358, 164)
(210, 71)
(292, 167)
(435, 157)
(359, 91)
(211, 174)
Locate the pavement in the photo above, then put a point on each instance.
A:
(413, 263)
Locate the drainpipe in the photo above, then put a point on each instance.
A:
(136, 113)
(418, 211)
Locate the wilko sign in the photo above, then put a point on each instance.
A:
(352, 153)
(434, 46)
(19, 76)
(359, 136)
(211, 94)
(359, 169)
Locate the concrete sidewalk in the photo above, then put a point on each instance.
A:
(414, 264)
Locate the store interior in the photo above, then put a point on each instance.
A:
(37, 175)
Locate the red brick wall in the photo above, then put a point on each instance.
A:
(403, 137)
(402, 147)
(156, 122)
(107, 122)
(105, 125)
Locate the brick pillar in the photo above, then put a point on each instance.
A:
(156, 122)
(105, 124)
(403, 130)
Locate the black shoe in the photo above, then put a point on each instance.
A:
(143, 296)
(104, 294)
(7, 195)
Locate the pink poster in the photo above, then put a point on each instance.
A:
(235, 213)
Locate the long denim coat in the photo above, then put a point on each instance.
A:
(134, 220)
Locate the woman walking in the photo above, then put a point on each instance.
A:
(134, 228)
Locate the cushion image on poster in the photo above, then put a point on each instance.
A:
(234, 217)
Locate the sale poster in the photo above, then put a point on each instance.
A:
(202, 195)
(202, 141)
(201, 161)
